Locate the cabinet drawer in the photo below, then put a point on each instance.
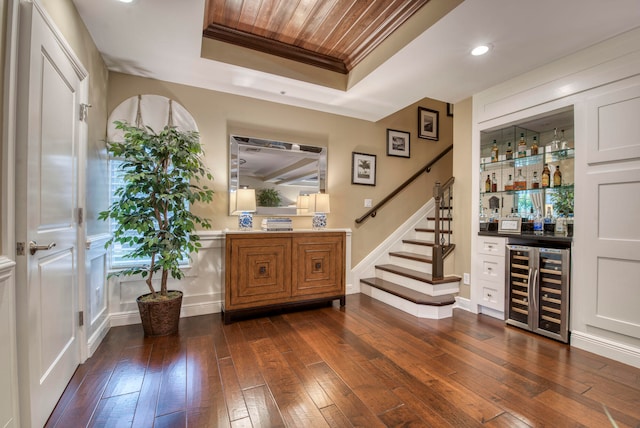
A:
(491, 268)
(491, 245)
(492, 295)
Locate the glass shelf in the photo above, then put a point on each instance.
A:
(529, 191)
(548, 157)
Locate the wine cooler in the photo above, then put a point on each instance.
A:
(538, 290)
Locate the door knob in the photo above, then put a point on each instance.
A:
(34, 247)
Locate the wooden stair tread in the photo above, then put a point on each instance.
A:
(412, 256)
(409, 294)
(418, 242)
(431, 230)
(417, 275)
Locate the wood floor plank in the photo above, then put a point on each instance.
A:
(173, 386)
(232, 392)
(263, 410)
(171, 420)
(115, 411)
(145, 412)
(296, 406)
(86, 399)
(365, 364)
(129, 373)
(334, 417)
(334, 350)
(356, 412)
(244, 360)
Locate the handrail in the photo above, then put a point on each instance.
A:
(427, 168)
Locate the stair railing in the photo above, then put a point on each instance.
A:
(427, 168)
(443, 197)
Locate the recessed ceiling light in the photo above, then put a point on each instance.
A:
(480, 50)
(125, 1)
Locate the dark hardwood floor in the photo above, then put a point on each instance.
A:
(366, 364)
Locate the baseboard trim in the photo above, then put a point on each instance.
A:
(606, 348)
(133, 317)
(463, 303)
(96, 338)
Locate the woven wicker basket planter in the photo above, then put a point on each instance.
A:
(160, 318)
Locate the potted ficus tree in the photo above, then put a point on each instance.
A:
(161, 173)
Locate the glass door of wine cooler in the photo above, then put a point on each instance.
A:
(519, 275)
(552, 296)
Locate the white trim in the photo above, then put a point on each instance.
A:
(607, 348)
(188, 310)
(96, 338)
(464, 304)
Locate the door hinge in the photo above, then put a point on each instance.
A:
(80, 215)
(20, 248)
(84, 112)
(81, 318)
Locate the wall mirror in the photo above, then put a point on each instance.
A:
(278, 171)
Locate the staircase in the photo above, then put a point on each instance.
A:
(403, 274)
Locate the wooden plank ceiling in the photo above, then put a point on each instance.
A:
(331, 34)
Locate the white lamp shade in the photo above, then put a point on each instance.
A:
(246, 200)
(319, 203)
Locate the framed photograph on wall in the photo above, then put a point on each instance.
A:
(398, 143)
(428, 126)
(363, 169)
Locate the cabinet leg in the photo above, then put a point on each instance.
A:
(343, 301)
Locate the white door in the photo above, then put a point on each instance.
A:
(48, 140)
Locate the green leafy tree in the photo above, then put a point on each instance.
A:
(162, 172)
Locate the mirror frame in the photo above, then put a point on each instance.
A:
(237, 142)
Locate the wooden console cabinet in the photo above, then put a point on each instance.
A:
(273, 270)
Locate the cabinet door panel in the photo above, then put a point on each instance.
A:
(260, 272)
(318, 268)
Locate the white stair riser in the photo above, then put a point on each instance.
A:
(425, 250)
(420, 311)
(410, 264)
(425, 236)
(423, 287)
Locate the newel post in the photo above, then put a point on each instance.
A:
(437, 265)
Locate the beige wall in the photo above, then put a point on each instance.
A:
(214, 112)
(462, 195)
(68, 21)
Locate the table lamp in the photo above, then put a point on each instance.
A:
(245, 205)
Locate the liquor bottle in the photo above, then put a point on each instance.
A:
(535, 182)
(509, 185)
(538, 225)
(509, 152)
(487, 184)
(494, 182)
(564, 144)
(534, 146)
(521, 182)
(522, 147)
(494, 152)
(554, 145)
(546, 176)
(557, 177)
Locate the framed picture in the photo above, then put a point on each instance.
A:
(398, 143)
(428, 126)
(449, 109)
(363, 169)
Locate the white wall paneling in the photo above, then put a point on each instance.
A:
(96, 317)
(202, 285)
(8, 356)
(614, 128)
